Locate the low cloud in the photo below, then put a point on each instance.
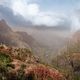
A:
(75, 18)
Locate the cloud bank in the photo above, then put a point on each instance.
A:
(32, 11)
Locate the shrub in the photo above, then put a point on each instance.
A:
(4, 58)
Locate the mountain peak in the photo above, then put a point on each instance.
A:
(4, 26)
(2, 21)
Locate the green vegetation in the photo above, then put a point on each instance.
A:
(4, 65)
(4, 59)
(21, 74)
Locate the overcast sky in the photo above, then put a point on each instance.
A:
(47, 12)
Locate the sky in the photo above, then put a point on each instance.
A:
(47, 12)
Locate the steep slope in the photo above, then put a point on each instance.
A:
(18, 39)
(4, 27)
(34, 45)
(8, 37)
(20, 64)
(7, 33)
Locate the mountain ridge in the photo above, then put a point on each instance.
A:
(12, 38)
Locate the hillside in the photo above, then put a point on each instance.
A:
(17, 39)
(68, 61)
(10, 38)
(20, 64)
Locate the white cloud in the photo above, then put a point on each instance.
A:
(75, 18)
(26, 10)
(2, 2)
(32, 11)
(46, 19)
(18, 7)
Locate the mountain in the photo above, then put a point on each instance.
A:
(18, 39)
(8, 37)
(4, 27)
(57, 27)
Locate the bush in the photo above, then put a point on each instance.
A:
(4, 58)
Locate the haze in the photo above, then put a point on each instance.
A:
(49, 22)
